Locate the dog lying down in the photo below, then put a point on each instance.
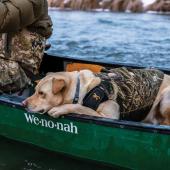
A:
(111, 94)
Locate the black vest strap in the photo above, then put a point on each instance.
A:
(95, 97)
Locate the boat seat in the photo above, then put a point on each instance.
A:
(81, 66)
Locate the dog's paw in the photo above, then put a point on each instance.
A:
(56, 112)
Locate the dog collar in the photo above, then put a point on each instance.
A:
(76, 97)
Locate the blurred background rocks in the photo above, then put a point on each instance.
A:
(111, 5)
(159, 6)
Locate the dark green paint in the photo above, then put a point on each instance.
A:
(122, 147)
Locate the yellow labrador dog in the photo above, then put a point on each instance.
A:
(65, 92)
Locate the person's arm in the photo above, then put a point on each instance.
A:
(44, 24)
(17, 14)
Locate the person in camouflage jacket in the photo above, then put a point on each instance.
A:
(24, 27)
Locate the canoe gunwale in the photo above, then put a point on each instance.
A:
(129, 125)
(110, 64)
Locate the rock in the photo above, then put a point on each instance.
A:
(127, 5)
(119, 5)
(159, 5)
(76, 4)
(105, 4)
(66, 4)
(55, 3)
(113, 5)
(135, 6)
(89, 4)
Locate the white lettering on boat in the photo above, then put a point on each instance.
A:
(66, 127)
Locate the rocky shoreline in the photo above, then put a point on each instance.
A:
(111, 5)
(159, 6)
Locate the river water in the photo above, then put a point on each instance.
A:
(20, 156)
(141, 39)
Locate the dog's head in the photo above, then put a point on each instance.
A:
(48, 93)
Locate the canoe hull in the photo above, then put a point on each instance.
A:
(88, 140)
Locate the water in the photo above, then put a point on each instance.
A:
(141, 39)
(19, 156)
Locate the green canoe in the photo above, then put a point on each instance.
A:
(125, 144)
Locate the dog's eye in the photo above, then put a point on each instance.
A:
(42, 94)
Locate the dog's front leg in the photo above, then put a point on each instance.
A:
(59, 110)
(72, 108)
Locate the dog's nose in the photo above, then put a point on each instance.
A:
(24, 103)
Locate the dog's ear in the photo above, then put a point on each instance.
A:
(57, 85)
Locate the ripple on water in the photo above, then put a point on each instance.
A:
(119, 37)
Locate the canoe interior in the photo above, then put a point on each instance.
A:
(52, 63)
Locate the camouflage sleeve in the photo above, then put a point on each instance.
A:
(43, 25)
(17, 14)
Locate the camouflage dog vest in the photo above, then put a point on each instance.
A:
(133, 89)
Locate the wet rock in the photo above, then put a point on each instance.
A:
(105, 4)
(89, 4)
(127, 5)
(66, 4)
(113, 5)
(76, 5)
(55, 3)
(135, 6)
(159, 5)
(119, 5)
